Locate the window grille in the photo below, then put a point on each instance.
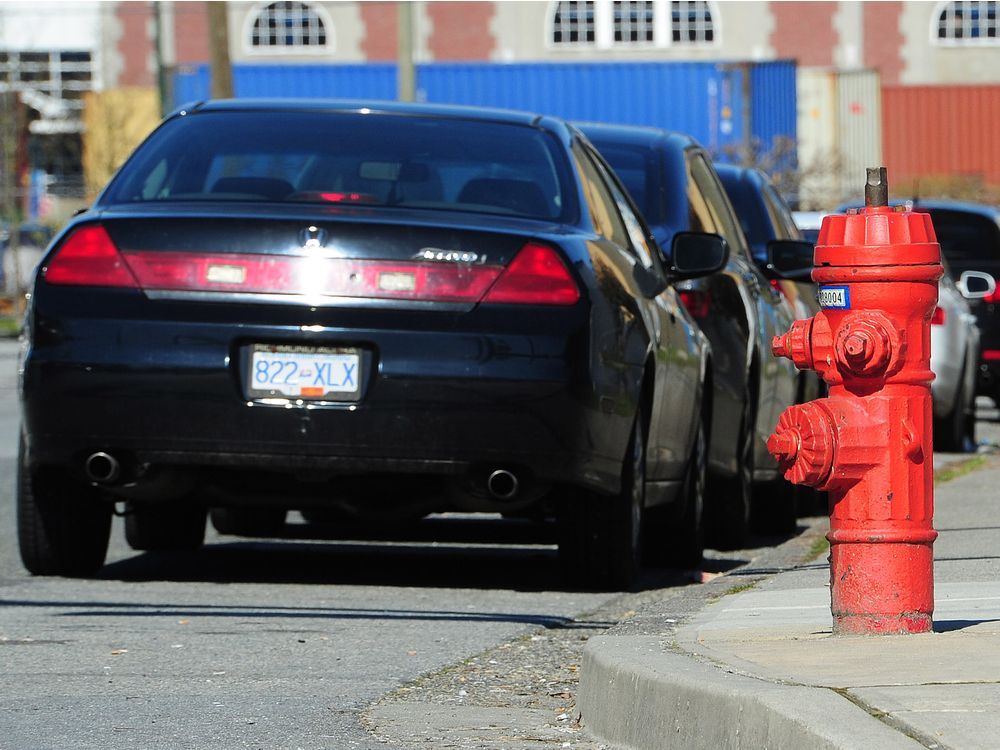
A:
(573, 22)
(288, 24)
(633, 21)
(967, 22)
(691, 22)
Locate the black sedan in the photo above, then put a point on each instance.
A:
(363, 311)
(673, 181)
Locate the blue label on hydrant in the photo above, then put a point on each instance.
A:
(834, 297)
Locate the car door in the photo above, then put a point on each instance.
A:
(769, 314)
(615, 219)
(677, 348)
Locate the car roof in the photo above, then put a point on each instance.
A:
(945, 205)
(982, 209)
(638, 135)
(488, 114)
(733, 173)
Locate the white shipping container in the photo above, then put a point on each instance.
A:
(839, 133)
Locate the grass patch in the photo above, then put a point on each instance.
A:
(820, 546)
(738, 588)
(959, 469)
(9, 327)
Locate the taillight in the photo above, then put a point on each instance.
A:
(697, 302)
(536, 276)
(994, 298)
(311, 276)
(937, 319)
(991, 355)
(89, 258)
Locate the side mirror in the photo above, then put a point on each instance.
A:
(790, 259)
(976, 284)
(695, 254)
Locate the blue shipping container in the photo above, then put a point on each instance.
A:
(728, 107)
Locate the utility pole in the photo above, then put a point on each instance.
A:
(218, 37)
(405, 73)
(161, 73)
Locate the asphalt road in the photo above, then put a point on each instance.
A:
(249, 644)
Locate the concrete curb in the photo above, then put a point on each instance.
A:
(634, 693)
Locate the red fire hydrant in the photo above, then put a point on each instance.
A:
(869, 443)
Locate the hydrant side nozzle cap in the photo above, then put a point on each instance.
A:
(778, 346)
(877, 187)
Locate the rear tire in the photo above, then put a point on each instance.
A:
(63, 526)
(167, 526)
(731, 496)
(680, 542)
(249, 521)
(956, 431)
(774, 509)
(600, 537)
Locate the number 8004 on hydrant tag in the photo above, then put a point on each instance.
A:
(834, 297)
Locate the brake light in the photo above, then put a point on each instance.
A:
(536, 276)
(89, 257)
(697, 302)
(937, 319)
(991, 355)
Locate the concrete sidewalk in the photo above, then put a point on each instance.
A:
(761, 669)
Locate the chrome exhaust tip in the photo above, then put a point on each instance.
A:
(102, 467)
(502, 485)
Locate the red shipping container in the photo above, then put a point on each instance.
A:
(940, 131)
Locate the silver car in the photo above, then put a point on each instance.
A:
(954, 356)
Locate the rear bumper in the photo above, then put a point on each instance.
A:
(433, 402)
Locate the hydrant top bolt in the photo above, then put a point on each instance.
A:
(877, 187)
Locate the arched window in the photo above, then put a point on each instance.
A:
(288, 25)
(573, 22)
(966, 22)
(691, 22)
(622, 23)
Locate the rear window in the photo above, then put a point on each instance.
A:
(351, 158)
(969, 241)
(636, 167)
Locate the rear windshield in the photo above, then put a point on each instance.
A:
(968, 240)
(350, 158)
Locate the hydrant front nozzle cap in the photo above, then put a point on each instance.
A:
(876, 187)
(783, 446)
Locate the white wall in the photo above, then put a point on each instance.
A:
(45, 25)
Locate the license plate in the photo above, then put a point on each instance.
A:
(305, 372)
